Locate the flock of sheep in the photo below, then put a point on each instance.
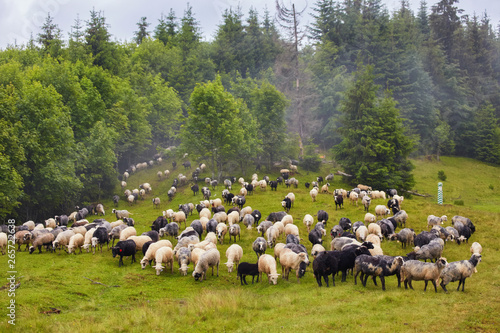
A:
(355, 247)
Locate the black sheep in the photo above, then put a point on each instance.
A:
(218, 209)
(249, 188)
(345, 223)
(129, 221)
(102, 236)
(292, 239)
(315, 237)
(228, 198)
(146, 246)
(246, 268)
(423, 238)
(377, 266)
(347, 257)
(153, 234)
(276, 216)
(159, 223)
(195, 188)
(322, 216)
(256, 215)
(325, 264)
(274, 185)
(212, 226)
(124, 249)
(339, 201)
(197, 226)
(287, 204)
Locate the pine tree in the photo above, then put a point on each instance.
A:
(486, 143)
(50, 37)
(166, 28)
(374, 148)
(142, 32)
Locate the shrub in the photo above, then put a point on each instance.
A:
(491, 187)
(458, 202)
(441, 175)
(311, 163)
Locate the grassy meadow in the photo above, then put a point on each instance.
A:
(136, 300)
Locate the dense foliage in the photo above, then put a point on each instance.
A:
(76, 113)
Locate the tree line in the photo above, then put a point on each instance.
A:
(75, 113)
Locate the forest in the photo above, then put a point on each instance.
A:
(367, 87)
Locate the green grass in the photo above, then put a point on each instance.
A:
(146, 302)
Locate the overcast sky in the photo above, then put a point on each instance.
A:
(21, 18)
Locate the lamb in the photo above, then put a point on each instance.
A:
(140, 241)
(313, 193)
(151, 251)
(417, 270)
(476, 248)
(164, 255)
(100, 237)
(308, 222)
(234, 253)
(325, 264)
(210, 258)
(370, 218)
(404, 236)
(234, 230)
(245, 268)
(76, 241)
(45, 239)
(375, 266)
(120, 214)
(435, 220)
(127, 232)
(290, 260)
(381, 210)
(459, 271)
(259, 246)
(267, 265)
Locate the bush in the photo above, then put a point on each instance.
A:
(491, 187)
(441, 175)
(458, 202)
(311, 163)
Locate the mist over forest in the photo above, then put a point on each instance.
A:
(366, 87)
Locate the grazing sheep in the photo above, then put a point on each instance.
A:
(417, 270)
(325, 264)
(353, 197)
(313, 193)
(287, 219)
(317, 249)
(234, 253)
(221, 232)
(62, 240)
(156, 202)
(370, 218)
(292, 229)
(453, 234)
(220, 217)
(263, 226)
(259, 246)
(459, 271)
(339, 201)
(366, 200)
(308, 222)
(23, 237)
(267, 265)
(99, 209)
(431, 251)
(400, 217)
(234, 230)
(272, 234)
(467, 222)
(338, 243)
(164, 255)
(423, 238)
(179, 217)
(233, 218)
(404, 236)
(120, 214)
(374, 239)
(127, 232)
(210, 258)
(356, 225)
(382, 211)
(115, 233)
(45, 239)
(50, 223)
(476, 248)
(435, 220)
(375, 266)
(151, 251)
(375, 229)
(75, 242)
(124, 248)
(99, 237)
(183, 258)
(248, 221)
(315, 237)
(245, 268)
(290, 260)
(361, 233)
(140, 241)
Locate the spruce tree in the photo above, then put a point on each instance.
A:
(486, 143)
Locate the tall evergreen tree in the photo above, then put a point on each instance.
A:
(166, 28)
(486, 143)
(50, 37)
(143, 30)
(374, 148)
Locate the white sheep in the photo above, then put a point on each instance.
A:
(140, 241)
(99, 209)
(159, 174)
(88, 239)
(234, 253)
(212, 237)
(3, 242)
(31, 224)
(116, 223)
(375, 229)
(195, 255)
(290, 260)
(317, 249)
(353, 197)
(308, 222)
(287, 219)
(376, 251)
(62, 240)
(267, 265)
(381, 210)
(150, 253)
(374, 239)
(220, 217)
(50, 223)
(75, 242)
(362, 233)
(221, 232)
(272, 234)
(166, 173)
(210, 258)
(313, 193)
(127, 232)
(476, 248)
(233, 217)
(277, 249)
(205, 212)
(291, 229)
(164, 255)
(370, 218)
(244, 211)
(291, 196)
(179, 217)
(280, 227)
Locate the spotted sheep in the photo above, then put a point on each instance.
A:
(375, 266)
(459, 271)
(414, 270)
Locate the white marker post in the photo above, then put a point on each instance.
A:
(440, 193)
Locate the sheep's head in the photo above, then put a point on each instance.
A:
(230, 266)
(158, 268)
(144, 263)
(273, 278)
(198, 276)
